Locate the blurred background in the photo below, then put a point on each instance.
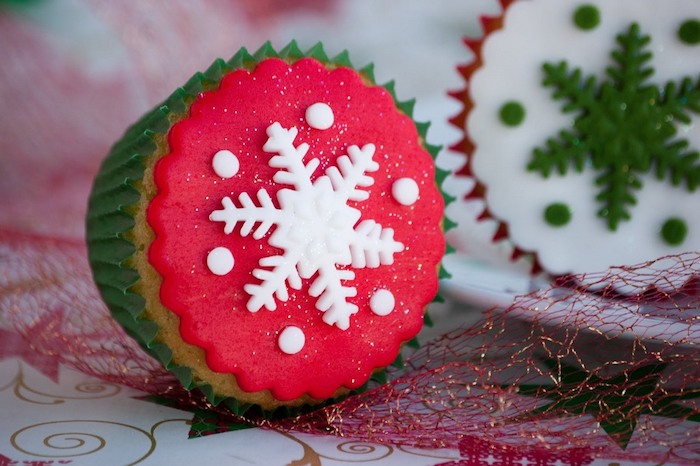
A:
(75, 73)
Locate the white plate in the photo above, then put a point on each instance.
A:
(478, 283)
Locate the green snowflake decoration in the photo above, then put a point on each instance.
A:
(615, 402)
(624, 127)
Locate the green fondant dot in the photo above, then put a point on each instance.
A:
(674, 231)
(689, 32)
(587, 17)
(512, 113)
(557, 214)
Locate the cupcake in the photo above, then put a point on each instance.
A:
(582, 130)
(272, 232)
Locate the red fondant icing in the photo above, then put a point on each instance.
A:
(212, 308)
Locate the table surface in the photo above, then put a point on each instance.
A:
(54, 414)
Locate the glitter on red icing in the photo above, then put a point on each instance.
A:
(212, 309)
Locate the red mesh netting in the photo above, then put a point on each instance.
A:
(562, 367)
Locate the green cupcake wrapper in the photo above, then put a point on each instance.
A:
(115, 198)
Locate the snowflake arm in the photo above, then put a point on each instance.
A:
(568, 148)
(290, 159)
(679, 165)
(578, 93)
(675, 161)
(631, 59)
(559, 154)
(266, 215)
(678, 99)
(282, 271)
(372, 245)
(332, 295)
(616, 194)
(350, 175)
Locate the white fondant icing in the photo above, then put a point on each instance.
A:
(382, 302)
(512, 70)
(291, 340)
(319, 116)
(318, 232)
(405, 191)
(225, 164)
(220, 261)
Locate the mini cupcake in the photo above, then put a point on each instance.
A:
(272, 232)
(581, 130)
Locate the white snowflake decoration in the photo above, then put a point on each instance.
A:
(315, 227)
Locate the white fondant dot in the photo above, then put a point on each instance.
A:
(382, 302)
(220, 261)
(291, 340)
(319, 116)
(225, 164)
(405, 191)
